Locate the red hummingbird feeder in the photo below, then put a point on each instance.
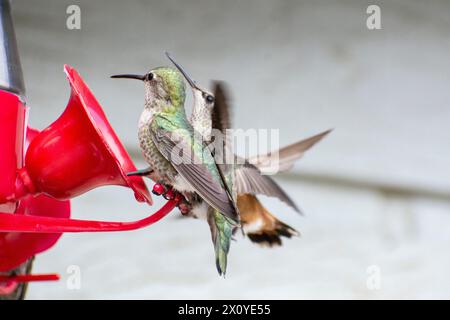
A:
(42, 171)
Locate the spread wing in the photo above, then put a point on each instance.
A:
(221, 111)
(181, 155)
(250, 180)
(287, 156)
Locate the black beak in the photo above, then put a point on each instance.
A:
(129, 76)
(142, 172)
(188, 79)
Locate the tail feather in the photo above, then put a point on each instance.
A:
(260, 225)
(222, 229)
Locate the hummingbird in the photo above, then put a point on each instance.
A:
(178, 160)
(212, 111)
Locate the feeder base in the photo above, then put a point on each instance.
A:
(16, 291)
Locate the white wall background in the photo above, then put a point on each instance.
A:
(376, 192)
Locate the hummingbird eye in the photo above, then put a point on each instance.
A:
(149, 76)
(210, 98)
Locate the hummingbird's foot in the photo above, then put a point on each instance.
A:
(169, 194)
(185, 207)
(159, 189)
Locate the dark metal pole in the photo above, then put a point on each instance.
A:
(11, 80)
(11, 77)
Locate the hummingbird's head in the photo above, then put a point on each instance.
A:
(203, 99)
(163, 86)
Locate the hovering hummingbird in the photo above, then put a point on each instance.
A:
(163, 132)
(212, 111)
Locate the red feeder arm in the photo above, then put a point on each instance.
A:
(38, 233)
(42, 224)
(9, 283)
(20, 278)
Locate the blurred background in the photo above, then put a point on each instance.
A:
(376, 192)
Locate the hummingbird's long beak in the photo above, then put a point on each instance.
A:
(129, 76)
(185, 75)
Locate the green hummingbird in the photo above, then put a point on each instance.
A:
(177, 159)
(211, 111)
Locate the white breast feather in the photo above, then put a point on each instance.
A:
(200, 210)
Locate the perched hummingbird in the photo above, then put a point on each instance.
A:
(163, 132)
(211, 111)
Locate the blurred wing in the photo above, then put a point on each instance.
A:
(249, 179)
(221, 121)
(221, 111)
(286, 156)
(192, 169)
